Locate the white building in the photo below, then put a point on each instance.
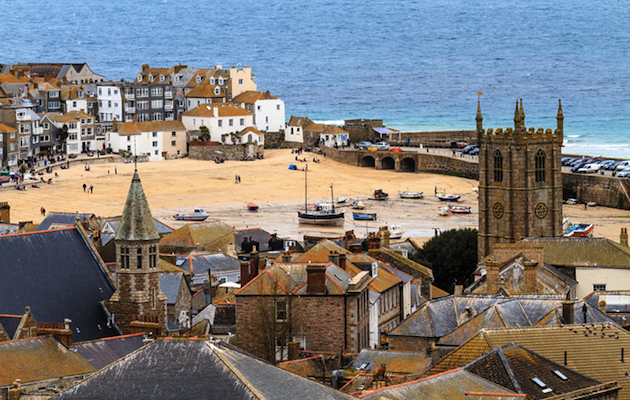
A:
(148, 138)
(223, 120)
(268, 110)
(109, 102)
(294, 131)
(74, 98)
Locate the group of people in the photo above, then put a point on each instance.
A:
(237, 179)
(88, 190)
(297, 151)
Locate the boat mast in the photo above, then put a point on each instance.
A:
(305, 191)
(332, 197)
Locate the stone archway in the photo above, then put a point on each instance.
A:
(407, 165)
(388, 163)
(368, 161)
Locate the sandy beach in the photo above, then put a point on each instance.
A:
(177, 186)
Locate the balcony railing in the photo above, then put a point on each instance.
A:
(130, 110)
(168, 95)
(168, 106)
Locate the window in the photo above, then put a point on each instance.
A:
(231, 122)
(129, 91)
(152, 257)
(139, 251)
(155, 152)
(53, 104)
(156, 116)
(220, 123)
(240, 81)
(174, 143)
(155, 144)
(156, 103)
(35, 139)
(281, 310)
(540, 166)
(54, 94)
(142, 92)
(115, 91)
(561, 375)
(45, 138)
(278, 107)
(109, 91)
(178, 153)
(599, 287)
(249, 138)
(154, 134)
(12, 146)
(100, 91)
(109, 103)
(249, 107)
(498, 166)
(174, 134)
(258, 108)
(242, 121)
(199, 79)
(157, 91)
(46, 126)
(142, 105)
(124, 257)
(74, 104)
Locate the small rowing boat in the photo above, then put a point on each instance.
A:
(358, 205)
(252, 207)
(410, 194)
(364, 216)
(448, 197)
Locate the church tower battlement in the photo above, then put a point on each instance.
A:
(520, 181)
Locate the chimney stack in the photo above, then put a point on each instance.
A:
(286, 257)
(531, 277)
(602, 306)
(333, 257)
(316, 279)
(5, 212)
(623, 238)
(492, 277)
(567, 310)
(342, 261)
(459, 290)
(245, 278)
(115, 125)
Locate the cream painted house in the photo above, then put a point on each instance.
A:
(223, 120)
(158, 140)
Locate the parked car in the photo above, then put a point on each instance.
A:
(589, 168)
(576, 167)
(468, 148)
(382, 145)
(624, 173)
(612, 166)
(474, 151)
(622, 165)
(363, 145)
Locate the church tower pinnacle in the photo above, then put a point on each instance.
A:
(560, 117)
(479, 119)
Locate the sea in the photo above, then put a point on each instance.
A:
(417, 65)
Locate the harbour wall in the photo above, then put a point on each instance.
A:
(603, 190)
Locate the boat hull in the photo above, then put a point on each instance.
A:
(410, 195)
(190, 217)
(364, 216)
(330, 219)
(448, 197)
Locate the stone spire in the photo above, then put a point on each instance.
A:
(479, 119)
(136, 222)
(560, 117)
(522, 115)
(517, 117)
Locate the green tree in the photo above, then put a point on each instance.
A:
(63, 135)
(453, 257)
(205, 133)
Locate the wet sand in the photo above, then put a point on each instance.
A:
(177, 186)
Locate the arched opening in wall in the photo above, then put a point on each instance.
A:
(368, 161)
(388, 163)
(408, 165)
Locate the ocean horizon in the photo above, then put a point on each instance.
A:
(415, 65)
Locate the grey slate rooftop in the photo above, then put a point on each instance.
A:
(101, 353)
(61, 218)
(196, 369)
(58, 275)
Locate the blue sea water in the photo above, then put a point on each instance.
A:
(415, 64)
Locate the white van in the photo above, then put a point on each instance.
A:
(589, 168)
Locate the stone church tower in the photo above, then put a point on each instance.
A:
(520, 181)
(138, 303)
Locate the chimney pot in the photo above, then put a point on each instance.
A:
(316, 279)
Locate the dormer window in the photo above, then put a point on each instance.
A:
(199, 79)
(139, 78)
(176, 78)
(217, 91)
(212, 81)
(220, 81)
(162, 77)
(80, 94)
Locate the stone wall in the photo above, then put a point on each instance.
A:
(436, 139)
(275, 140)
(208, 151)
(603, 190)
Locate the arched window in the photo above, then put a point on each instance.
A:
(498, 166)
(540, 166)
(249, 138)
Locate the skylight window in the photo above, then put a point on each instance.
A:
(539, 382)
(561, 375)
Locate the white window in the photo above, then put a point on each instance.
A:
(154, 134)
(35, 139)
(142, 105)
(156, 116)
(109, 91)
(156, 104)
(115, 91)
(240, 81)
(278, 107)
(281, 310)
(82, 121)
(162, 77)
(242, 121)
(258, 108)
(156, 152)
(157, 91)
(73, 136)
(199, 79)
(220, 123)
(142, 92)
(12, 146)
(46, 126)
(178, 152)
(109, 103)
(173, 134)
(600, 287)
(155, 144)
(100, 91)
(139, 78)
(174, 143)
(45, 138)
(129, 91)
(54, 94)
(231, 122)
(74, 104)
(53, 104)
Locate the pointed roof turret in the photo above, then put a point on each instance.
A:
(517, 116)
(560, 116)
(522, 114)
(136, 222)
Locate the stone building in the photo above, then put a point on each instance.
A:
(138, 303)
(520, 182)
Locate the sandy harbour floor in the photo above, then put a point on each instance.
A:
(177, 186)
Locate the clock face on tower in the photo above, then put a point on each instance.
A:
(497, 210)
(541, 210)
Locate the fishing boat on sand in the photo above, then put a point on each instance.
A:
(364, 216)
(358, 205)
(444, 211)
(406, 194)
(342, 199)
(323, 214)
(380, 195)
(576, 229)
(396, 232)
(459, 209)
(448, 197)
(252, 207)
(198, 215)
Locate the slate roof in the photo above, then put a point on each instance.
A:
(199, 263)
(514, 368)
(10, 323)
(454, 319)
(209, 236)
(59, 276)
(320, 252)
(453, 385)
(306, 367)
(101, 353)
(114, 223)
(407, 363)
(196, 369)
(37, 359)
(8, 229)
(136, 222)
(410, 263)
(56, 218)
(298, 121)
(583, 252)
(593, 350)
(257, 234)
(170, 284)
(617, 301)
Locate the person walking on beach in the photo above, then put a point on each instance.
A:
(84, 186)
(42, 211)
(115, 170)
(239, 178)
(91, 189)
(436, 190)
(235, 178)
